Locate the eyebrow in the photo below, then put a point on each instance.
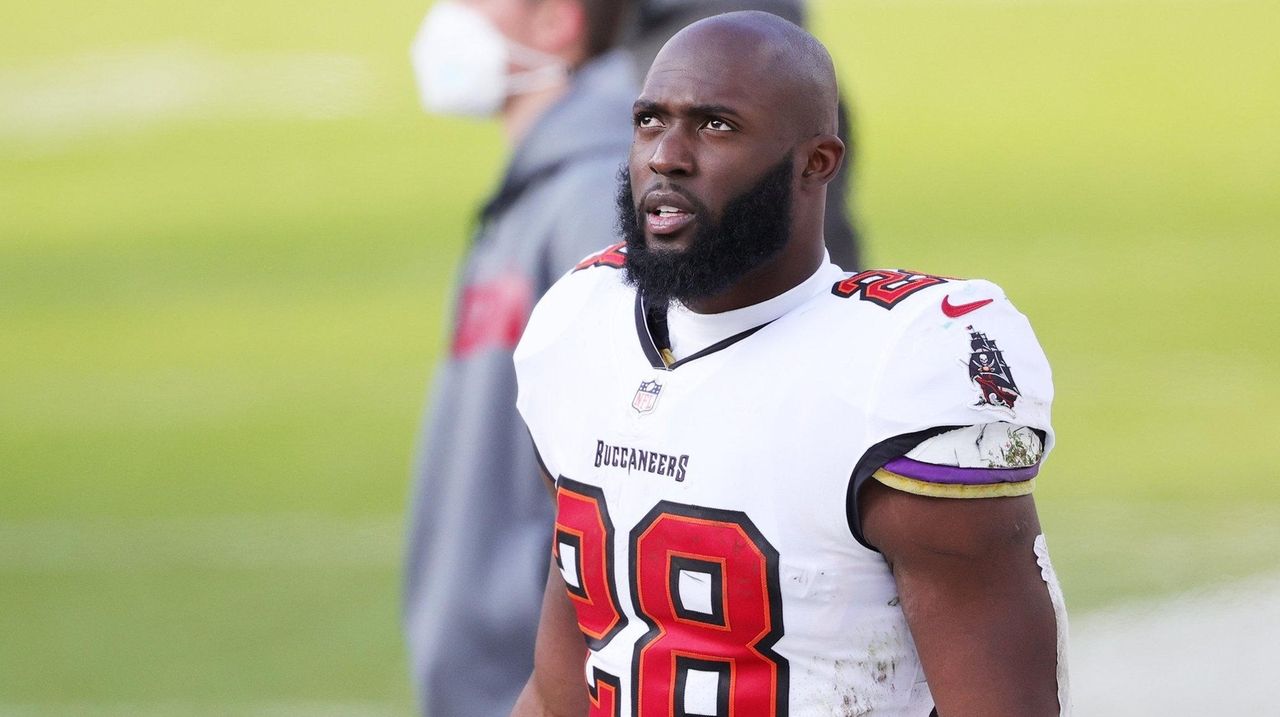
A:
(643, 105)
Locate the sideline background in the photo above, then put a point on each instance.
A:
(227, 235)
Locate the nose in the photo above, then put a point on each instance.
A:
(671, 156)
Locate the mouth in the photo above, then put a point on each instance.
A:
(666, 213)
(666, 220)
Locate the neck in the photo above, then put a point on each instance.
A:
(523, 110)
(777, 276)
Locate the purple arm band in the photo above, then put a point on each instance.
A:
(932, 473)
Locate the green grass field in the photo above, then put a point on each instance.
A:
(227, 236)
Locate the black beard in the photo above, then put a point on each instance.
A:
(754, 228)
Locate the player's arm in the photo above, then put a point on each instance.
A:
(974, 598)
(555, 689)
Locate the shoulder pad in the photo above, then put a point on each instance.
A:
(886, 288)
(614, 256)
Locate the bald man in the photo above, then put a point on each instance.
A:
(780, 488)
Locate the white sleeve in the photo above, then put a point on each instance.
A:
(969, 375)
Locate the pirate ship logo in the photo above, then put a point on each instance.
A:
(646, 397)
(990, 372)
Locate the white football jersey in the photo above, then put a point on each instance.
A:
(707, 522)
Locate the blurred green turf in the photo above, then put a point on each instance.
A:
(218, 329)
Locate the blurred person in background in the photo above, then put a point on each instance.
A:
(480, 519)
(561, 75)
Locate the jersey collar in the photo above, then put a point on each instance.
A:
(653, 329)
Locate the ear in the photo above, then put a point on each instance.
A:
(825, 154)
(559, 27)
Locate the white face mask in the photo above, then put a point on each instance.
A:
(460, 59)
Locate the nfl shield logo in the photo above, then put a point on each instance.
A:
(646, 396)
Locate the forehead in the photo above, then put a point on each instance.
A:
(701, 75)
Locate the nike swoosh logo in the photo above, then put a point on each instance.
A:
(955, 311)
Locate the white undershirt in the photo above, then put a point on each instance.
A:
(690, 332)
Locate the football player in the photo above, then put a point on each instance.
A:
(561, 76)
(780, 489)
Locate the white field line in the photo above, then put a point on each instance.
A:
(1209, 652)
(237, 541)
(96, 94)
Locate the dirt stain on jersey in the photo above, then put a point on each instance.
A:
(851, 700)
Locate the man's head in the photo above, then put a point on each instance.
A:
(480, 57)
(575, 30)
(734, 145)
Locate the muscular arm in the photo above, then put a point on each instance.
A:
(979, 612)
(555, 689)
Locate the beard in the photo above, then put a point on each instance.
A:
(754, 227)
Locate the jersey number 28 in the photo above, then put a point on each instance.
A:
(704, 581)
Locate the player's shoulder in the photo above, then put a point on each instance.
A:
(892, 305)
(926, 328)
(904, 293)
(593, 283)
(613, 257)
(948, 351)
(596, 275)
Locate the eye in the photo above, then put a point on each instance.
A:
(646, 119)
(718, 125)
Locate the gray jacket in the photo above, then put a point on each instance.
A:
(479, 539)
